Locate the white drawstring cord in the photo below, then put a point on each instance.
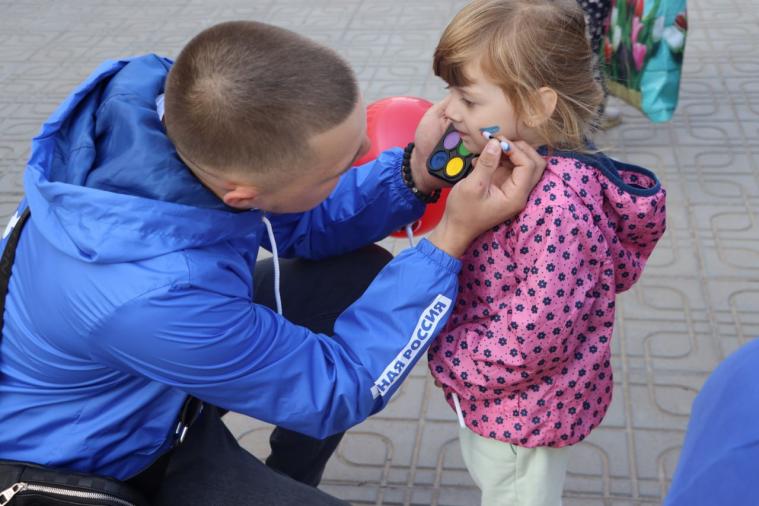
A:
(410, 234)
(273, 242)
(458, 410)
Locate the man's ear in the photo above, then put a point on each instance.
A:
(547, 105)
(241, 197)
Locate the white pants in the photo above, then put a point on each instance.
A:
(509, 475)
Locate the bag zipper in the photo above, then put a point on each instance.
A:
(7, 494)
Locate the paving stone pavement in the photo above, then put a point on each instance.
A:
(695, 304)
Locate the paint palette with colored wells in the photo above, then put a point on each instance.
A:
(450, 160)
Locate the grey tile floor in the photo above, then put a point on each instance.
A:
(696, 303)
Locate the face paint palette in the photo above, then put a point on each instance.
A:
(451, 161)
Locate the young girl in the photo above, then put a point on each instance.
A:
(525, 356)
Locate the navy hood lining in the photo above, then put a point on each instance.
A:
(611, 169)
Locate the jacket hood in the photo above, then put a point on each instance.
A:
(104, 182)
(626, 201)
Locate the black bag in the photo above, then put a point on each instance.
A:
(32, 485)
(23, 484)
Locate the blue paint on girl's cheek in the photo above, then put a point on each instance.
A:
(491, 129)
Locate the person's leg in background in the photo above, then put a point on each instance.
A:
(596, 12)
(314, 293)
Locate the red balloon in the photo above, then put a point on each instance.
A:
(392, 122)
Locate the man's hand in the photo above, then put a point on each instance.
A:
(490, 195)
(428, 133)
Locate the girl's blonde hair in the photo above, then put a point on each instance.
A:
(522, 46)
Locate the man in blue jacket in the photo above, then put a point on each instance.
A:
(151, 189)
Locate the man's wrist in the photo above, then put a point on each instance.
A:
(410, 180)
(419, 173)
(448, 240)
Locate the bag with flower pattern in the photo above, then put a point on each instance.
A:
(642, 54)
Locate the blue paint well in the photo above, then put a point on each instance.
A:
(439, 160)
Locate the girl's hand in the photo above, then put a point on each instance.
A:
(490, 195)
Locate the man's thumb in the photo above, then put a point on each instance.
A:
(488, 160)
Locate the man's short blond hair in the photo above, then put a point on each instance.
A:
(245, 96)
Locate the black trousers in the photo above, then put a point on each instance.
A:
(210, 468)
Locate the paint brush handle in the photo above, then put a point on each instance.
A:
(504, 145)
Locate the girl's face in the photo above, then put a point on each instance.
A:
(483, 105)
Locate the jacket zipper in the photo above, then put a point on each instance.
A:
(7, 494)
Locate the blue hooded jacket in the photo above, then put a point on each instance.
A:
(132, 288)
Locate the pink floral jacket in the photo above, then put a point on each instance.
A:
(527, 347)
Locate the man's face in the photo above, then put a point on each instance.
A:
(334, 152)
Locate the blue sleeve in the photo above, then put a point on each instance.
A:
(244, 357)
(719, 460)
(369, 202)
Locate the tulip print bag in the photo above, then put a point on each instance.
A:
(642, 54)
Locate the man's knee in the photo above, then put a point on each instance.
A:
(355, 271)
(370, 260)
